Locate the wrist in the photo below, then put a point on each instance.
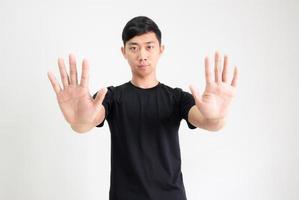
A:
(215, 124)
(81, 128)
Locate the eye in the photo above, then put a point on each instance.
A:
(133, 48)
(150, 47)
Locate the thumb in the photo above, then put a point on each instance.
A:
(100, 96)
(195, 93)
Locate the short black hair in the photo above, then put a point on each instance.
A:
(138, 26)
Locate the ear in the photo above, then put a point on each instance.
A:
(162, 49)
(123, 51)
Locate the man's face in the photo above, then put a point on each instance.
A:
(143, 53)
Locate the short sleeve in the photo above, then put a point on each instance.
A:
(186, 101)
(107, 103)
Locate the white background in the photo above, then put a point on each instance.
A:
(254, 157)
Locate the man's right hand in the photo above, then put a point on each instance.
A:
(77, 105)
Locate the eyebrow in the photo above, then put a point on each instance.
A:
(135, 43)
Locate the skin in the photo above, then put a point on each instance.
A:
(143, 52)
(79, 109)
(212, 107)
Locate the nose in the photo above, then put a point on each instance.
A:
(142, 55)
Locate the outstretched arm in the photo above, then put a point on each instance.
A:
(212, 106)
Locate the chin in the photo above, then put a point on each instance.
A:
(142, 74)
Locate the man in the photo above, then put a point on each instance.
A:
(144, 115)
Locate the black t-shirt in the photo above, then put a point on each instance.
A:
(145, 151)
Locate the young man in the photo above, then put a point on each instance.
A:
(144, 115)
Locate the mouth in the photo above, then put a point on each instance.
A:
(142, 66)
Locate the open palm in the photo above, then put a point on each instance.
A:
(215, 101)
(76, 103)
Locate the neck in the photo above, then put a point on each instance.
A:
(144, 82)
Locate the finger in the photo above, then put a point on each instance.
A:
(63, 74)
(217, 67)
(73, 70)
(195, 94)
(207, 71)
(100, 96)
(235, 78)
(54, 82)
(225, 70)
(85, 73)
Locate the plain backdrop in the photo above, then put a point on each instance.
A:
(255, 156)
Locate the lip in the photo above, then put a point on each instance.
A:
(143, 66)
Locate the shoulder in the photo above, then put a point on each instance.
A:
(176, 92)
(112, 89)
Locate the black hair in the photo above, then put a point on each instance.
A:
(138, 26)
